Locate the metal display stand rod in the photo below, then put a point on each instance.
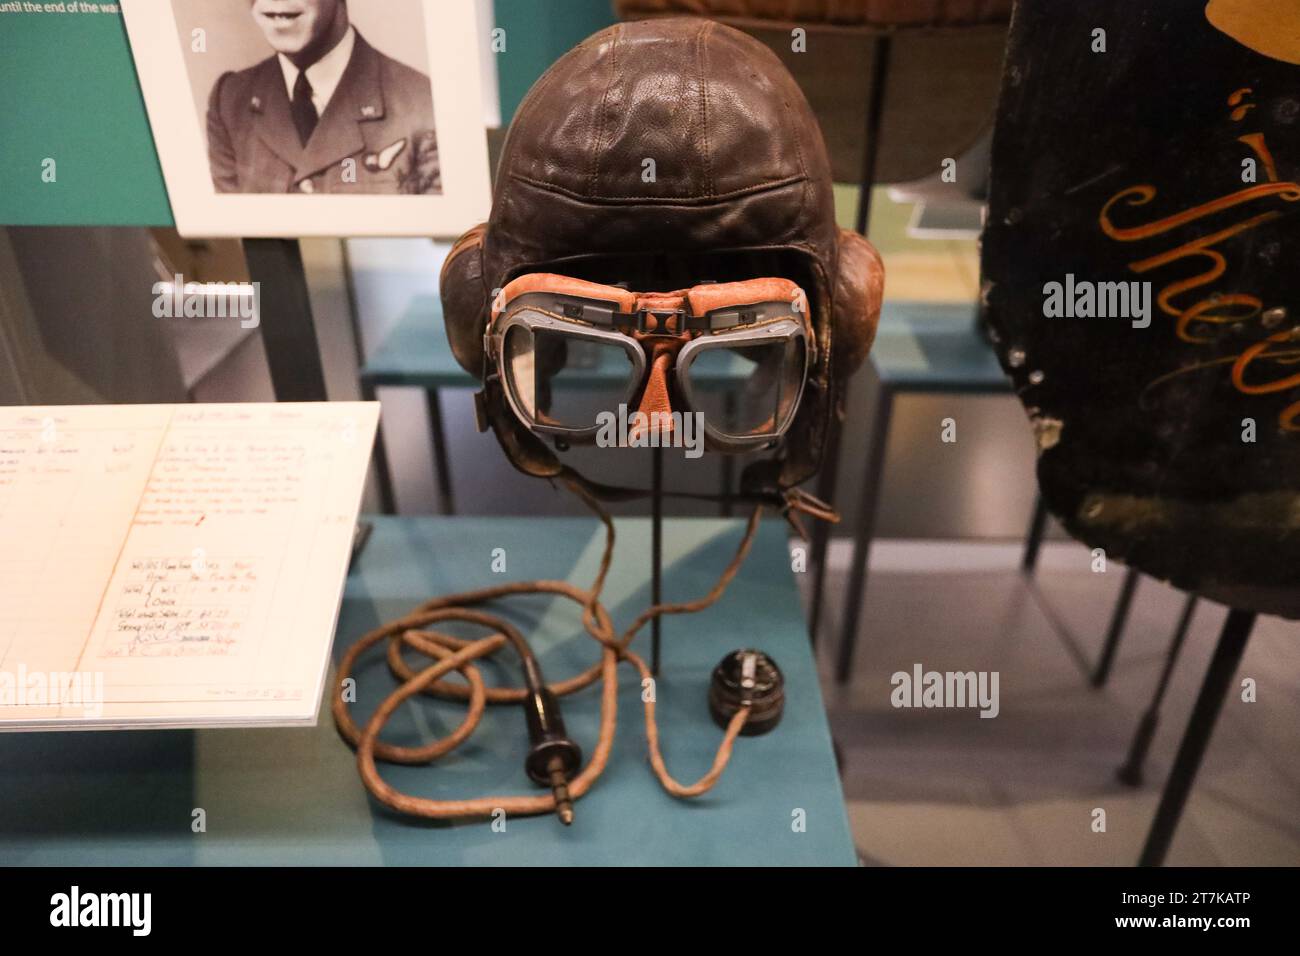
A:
(656, 550)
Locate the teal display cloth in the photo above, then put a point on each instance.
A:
(293, 796)
(935, 347)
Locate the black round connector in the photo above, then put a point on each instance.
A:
(747, 678)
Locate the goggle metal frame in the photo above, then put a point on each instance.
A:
(572, 316)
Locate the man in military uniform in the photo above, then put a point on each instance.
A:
(327, 113)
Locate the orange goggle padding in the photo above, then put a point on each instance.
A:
(696, 302)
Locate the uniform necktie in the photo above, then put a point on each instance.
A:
(302, 108)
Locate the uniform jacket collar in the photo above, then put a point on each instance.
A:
(358, 99)
(326, 73)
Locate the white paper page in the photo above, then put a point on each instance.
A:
(183, 565)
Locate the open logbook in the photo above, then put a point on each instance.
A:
(174, 565)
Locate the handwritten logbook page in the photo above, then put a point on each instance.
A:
(174, 565)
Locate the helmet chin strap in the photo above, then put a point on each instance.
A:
(527, 452)
(790, 502)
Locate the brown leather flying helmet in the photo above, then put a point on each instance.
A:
(655, 156)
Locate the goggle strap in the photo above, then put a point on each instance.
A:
(606, 314)
(735, 316)
(481, 419)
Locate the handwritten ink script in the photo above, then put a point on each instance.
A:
(183, 607)
(190, 556)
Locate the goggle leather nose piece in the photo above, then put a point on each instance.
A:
(655, 400)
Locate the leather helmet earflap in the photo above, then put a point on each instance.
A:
(465, 299)
(466, 306)
(855, 305)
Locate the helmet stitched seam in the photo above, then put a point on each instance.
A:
(601, 114)
(662, 200)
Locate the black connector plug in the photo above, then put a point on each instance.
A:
(553, 758)
(747, 678)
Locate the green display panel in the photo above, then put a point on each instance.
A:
(72, 97)
(75, 146)
(539, 32)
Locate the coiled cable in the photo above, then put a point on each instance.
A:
(448, 653)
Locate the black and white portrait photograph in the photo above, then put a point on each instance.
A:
(336, 100)
(325, 110)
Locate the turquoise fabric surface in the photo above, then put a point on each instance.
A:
(292, 796)
(415, 351)
(935, 347)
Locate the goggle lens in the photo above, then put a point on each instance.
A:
(759, 382)
(564, 381)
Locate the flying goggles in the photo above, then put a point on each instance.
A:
(567, 350)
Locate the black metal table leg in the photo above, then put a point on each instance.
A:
(1118, 618)
(857, 581)
(881, 46)
(440, 465)
(880, 52)
(821, 531)
(1227, 657)
(1034, 540)
(354, 313)
(379, 457)
(285, 319)
(1131, 772)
